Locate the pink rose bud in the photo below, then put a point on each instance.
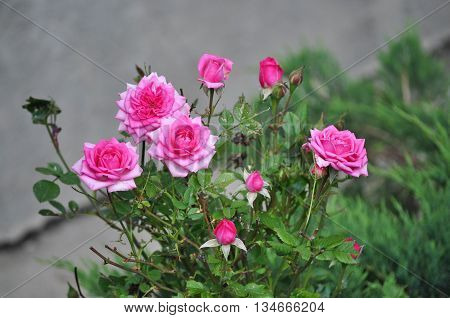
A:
(270, 72)
(213, 70)
(318, 172)
(356, 247)
(339, 149)
(225, 232)
(254, 182)
(109, 164)
(296, 77)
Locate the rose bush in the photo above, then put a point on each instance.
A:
(195, 190)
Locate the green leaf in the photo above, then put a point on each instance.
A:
(287, 237)
(72, 292)
(271, 221)
(329, 242)
(251, 127)
(57, 205)
(189, 197)
(304, 251)
(280, 248)
(122, 207)
(73, 206)
(151, 190)
(177, 203)
(45, 190)
(41, 109)
(344, 257)
(154, 274)
(237, 290)
(257, 291)
(52, 169)
(326, 256)
(225, 179)
(226, 119)
(47, 212)
(204, 177)
(228, 213)
(70, 178)
(194, 288)
(241, 109)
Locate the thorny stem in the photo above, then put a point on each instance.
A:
(204, 209)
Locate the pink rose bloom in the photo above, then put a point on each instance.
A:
(270, 72)
(254, 182)
(142, 106)
(356, 247)
(213, 70)
(340, 149)
(225, 232)
(183, 144)
(108, 164)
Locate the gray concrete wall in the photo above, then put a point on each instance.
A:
(170, 35)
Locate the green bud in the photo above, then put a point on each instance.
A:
(279, 91)
(296, 77)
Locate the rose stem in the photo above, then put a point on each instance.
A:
(211, 104)
(143, 154)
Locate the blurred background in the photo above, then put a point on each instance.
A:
(325, 36)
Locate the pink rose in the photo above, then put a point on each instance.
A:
(142, 106)
(356, 247)
(225, 232)
(213, 70)
(270, 72)
(340, 149)
(254, 182)
(183, 144)
(109, 164)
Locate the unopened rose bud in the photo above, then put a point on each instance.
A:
(225, 232)
(254, 182)
(318, 172)
(296, 77)
(279, 91)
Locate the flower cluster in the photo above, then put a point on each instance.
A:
(266, 204)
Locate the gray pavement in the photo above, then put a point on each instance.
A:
(170, 35)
